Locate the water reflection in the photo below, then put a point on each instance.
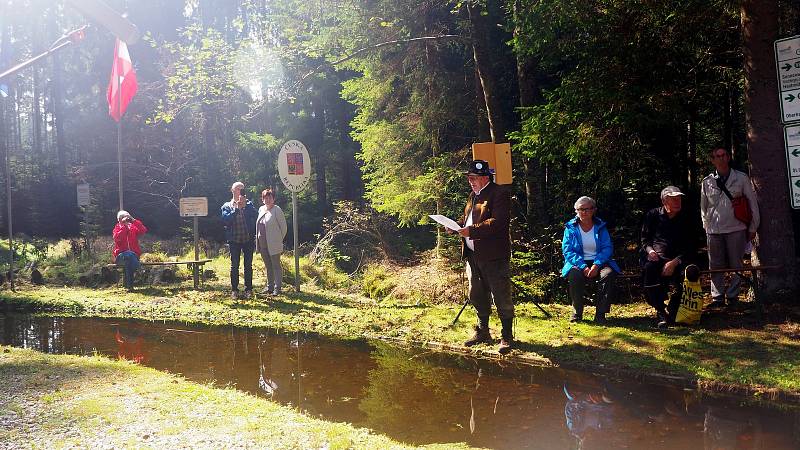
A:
(588, 414)
(731, 429)
(421, 397)
(130, 347)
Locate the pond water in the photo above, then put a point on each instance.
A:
(421, 397)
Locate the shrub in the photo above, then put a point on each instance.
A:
(376, 282)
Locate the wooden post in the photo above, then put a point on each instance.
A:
(195, 266)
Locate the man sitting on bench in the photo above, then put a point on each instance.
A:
(666, 240)
(126, 245)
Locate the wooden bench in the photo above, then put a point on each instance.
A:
(749, 273)
(196, 265)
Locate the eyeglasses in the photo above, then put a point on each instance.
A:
(584, 209)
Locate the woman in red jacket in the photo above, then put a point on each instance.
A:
(126, 244)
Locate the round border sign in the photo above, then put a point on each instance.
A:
(294, 165)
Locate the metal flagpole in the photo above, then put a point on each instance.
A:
(10, 232)
(296, 254)
(119, 122)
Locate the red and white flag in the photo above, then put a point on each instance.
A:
(120, 92)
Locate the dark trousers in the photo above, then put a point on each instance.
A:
(490, 280)
(656, 287)
(605, 289)
(237, 249)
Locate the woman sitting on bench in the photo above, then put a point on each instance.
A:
(126, 245)
(587, 253)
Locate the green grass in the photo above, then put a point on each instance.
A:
(729, 351)
(763, 360)
(62, 401)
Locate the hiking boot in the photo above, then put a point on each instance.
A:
(506, 345)
(717, 303)
(507, 339)
(248, 293)
(662, 320)
(600, 318)
(575, 318)
(234, 295)
(481, 336)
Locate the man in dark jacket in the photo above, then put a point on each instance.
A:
(239, 217)
(486, 248)
(667, 246)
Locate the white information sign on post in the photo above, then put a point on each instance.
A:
(787, 61)
(294, 168)
(83, 195)
(194, 206)
(792, 139)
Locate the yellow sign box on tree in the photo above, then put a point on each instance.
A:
(499, 158)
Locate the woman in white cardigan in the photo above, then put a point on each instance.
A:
(270, 232)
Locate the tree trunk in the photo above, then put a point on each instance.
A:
(736, 120)
(317, 143)
(727, 120)
(530, 94)
(36, 116)
(486, 74)
(765, 146)
(482, 129)
(57, 98)
(691, 147)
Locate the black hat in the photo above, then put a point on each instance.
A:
(479, 167)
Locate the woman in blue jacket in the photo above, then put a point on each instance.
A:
(587, 250)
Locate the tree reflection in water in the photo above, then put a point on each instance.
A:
(403, 390)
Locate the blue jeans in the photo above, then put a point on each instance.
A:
(130, 263)
(237, 249)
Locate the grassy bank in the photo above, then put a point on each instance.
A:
(61, 401)
(728, 352)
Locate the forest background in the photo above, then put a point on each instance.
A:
(614, 99)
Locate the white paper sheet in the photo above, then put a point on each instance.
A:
(445, 221)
